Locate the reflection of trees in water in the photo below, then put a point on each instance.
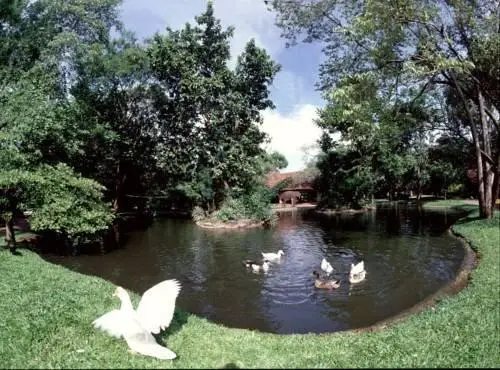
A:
(288, 221)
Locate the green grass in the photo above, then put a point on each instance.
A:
(47, 312)
(448, 203)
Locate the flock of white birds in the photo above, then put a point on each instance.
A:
(156, 310)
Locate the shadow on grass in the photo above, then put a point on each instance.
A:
(14, 252)
(178, 321)
(467, 220)
(230, 365)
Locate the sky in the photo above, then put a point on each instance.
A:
(290, 125)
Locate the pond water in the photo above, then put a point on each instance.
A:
(407, 252)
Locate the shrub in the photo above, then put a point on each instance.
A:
(254, 205)
(198, 214)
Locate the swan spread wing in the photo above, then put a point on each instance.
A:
(145, 344)
(156, 308)
(118, 323)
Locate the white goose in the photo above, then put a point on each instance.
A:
(154, 313)
(326, 266)
(357, 273)
(273, 256)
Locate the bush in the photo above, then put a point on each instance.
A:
(198, 214)
(255, 205)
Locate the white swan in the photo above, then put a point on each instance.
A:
(256, 267)
(357, 273)
(154, 313)
(273, 256)
(326, 266)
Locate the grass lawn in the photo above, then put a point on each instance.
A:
(47, 312)
(448, 203)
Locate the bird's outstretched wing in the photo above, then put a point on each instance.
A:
(145, 344)
(156, 308)
(116, 323)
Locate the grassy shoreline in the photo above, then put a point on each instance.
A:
(47, 312)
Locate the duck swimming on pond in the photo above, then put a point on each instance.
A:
(357, 273)
(273, 256)
(326, 266)
(325, 284)
(256, 266)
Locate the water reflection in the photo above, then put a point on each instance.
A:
(407, 255)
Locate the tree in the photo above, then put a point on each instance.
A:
(60, 201)
(39, 43)
(209, 114)
(419, 45)
(114, 97)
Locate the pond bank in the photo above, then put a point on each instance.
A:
(229, 224)
(46, 330)
(347, 211)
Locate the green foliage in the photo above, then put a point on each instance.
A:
(254, 204)
(84, 113)
(60, 200)
(343, 182)
(382, 59)
(212, 114)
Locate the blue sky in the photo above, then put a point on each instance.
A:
(290, 125)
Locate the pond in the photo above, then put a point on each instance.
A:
(407, 252)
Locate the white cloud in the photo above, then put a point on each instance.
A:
(289, 133)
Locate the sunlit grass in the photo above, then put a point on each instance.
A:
(47, 312)
(448, 203)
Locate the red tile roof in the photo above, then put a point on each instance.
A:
(298, 180)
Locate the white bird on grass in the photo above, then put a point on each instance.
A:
(357, 273)
(326, 266)
(154, 313)
(273, 256)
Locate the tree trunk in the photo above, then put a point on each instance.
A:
(496, 182)
(121, 177)
(10, 236)
(489, 173)
(484, 208)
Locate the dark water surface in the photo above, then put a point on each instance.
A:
(407, 253)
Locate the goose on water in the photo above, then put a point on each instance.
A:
(357, 273)
(326, 266)
(273, 256)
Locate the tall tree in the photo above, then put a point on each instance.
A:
(39, 42)
(420, 44)
(210, 114)
(113, 96)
